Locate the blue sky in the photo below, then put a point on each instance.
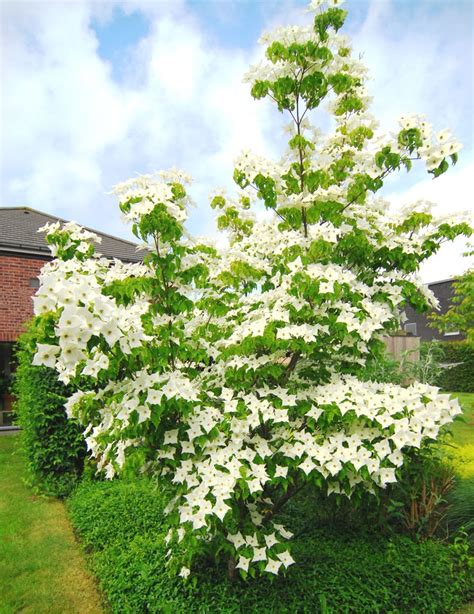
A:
(94, 92)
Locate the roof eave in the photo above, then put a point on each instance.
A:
(19, 249)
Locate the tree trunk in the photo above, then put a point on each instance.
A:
(231, 570)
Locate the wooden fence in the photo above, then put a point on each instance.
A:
(400, 345)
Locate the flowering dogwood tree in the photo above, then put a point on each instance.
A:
(235, 375)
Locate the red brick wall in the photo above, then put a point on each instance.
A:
(16, 306)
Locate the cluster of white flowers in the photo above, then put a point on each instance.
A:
(86, 317)
(146, 191)
(436, 146)
(74, 236)
(319, 4)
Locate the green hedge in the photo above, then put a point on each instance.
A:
(459, 378)
(53, 445)
(336, 570)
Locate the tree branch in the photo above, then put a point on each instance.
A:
(291, 492)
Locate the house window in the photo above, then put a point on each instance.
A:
(34, 282)
(410, 328)
(6, 414)
(451, 331)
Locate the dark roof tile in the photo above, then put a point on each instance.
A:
(19, 233)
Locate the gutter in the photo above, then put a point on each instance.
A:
(13, 249)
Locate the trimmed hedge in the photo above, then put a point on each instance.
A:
(53, 445)
(336, 571)
(459, 378)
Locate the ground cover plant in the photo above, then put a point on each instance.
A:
(236, 376)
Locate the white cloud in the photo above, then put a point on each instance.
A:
(451, 193)
(60, 109)
(420, 57)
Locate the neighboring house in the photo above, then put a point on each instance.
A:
(23, 252)
(417, 324)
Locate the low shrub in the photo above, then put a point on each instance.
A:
(419, 500)
(386, 368)
(426, 368)
(415, 505)
(336, 571)
(53, 445)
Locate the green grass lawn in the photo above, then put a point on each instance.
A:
(463, 432)
(42, 569)
(461, 448)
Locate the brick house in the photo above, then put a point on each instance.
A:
(23, 252)
(417, 324)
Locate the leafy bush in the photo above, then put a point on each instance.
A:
(386, 368)
(337, 571)
(427, 369)
(418, 502)
(53, 445)
(415, 505)
(457, 351)
(459, 377)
